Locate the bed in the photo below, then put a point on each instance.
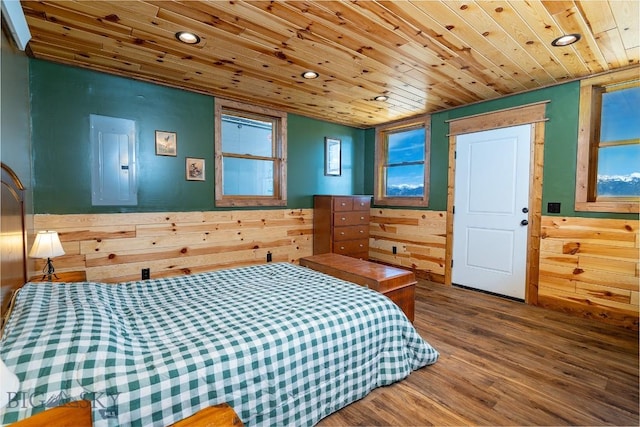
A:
(280, 343)
(12, 227)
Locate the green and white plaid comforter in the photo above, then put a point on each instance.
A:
(282, 344)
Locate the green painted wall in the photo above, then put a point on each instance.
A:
(369, 160)
(561, 136)
(305, 166)
(15, 138)
(63, 98)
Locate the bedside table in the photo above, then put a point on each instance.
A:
(67, 276)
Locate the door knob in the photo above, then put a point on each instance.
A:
(525, 210)
(524, 222)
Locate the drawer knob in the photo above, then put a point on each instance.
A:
(342, 248)
(362, 218)
(361, 245)
(361, 231)
(342, 233)
(343, 204)
(343, 218)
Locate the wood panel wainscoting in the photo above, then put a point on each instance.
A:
(116, 247)
(589, 267)
(418, 235)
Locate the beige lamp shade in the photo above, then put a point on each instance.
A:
(46, 245)
(9, 384)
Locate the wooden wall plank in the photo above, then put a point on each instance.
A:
(566, 261)
(595, 235)
(115, 247)
(604, 292)
(589, 266)
(560, 283)
(419, 237)
(606, 251)
(627, 268)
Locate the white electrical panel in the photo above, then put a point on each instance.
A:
(113, 147)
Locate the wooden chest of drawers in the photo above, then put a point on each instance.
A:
(341, 225)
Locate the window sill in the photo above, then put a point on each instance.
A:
(619, 207)
(402, 202)
(250, 202)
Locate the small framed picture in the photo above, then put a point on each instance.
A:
(332, 156)
(166, 143)
(195, 169)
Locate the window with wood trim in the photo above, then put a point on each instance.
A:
(402, 163)
(250, 155)
(608, 164)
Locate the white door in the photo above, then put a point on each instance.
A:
(491, 210)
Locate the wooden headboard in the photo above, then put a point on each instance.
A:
(13, 245)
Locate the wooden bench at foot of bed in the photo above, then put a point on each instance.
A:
(397, 284)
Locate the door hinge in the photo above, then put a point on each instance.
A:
(455, 155)
(451, 263)
(453, 209)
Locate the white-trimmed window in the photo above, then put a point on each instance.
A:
(608, 164)
(402, 163)
(250, 155)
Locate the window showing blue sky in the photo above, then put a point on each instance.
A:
(619, 165)
(619, 160)
(405, 179)
(621, 115)
(406, 146)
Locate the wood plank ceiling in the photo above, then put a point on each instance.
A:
(424, 55)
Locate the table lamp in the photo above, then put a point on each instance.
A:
(47, 245)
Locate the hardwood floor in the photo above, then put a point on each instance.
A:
(507, 363)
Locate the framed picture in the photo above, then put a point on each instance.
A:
(332, 156)
(195, 169)
(166, 143)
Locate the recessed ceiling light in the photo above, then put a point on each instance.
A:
(381, 98)
(566, 40)
(310, 75)
(187, 37)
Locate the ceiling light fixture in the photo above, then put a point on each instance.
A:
(310, 75)
(187, 37)
(381, 98)
(566, 40)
